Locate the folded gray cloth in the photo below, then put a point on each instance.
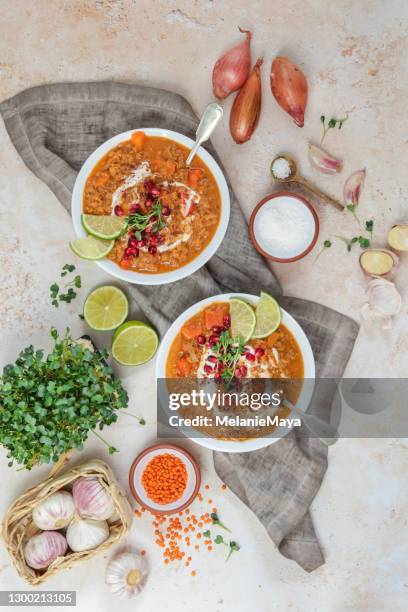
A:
(54, 128)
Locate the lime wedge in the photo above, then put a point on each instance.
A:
(106, 308)
(91, 248)
(242, 319)
(106, 227)
(268, 316)
(134, 343)
(398, 237)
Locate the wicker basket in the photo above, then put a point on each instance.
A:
(18, 525)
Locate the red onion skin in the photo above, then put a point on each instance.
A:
(289, 87)
(232, 69)
(246, 108)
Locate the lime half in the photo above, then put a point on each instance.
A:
(398, 237)
(134, 343)
(91, 248)
(268, 316)
(106, 308)
(106, 227)
(242, 319)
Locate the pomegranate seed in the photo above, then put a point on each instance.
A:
(216, 329)
(148, 201)
(131, 252)
(259, 353)
(208, 369)
(217, 376)
(140, 243)
(244, 370)
(118, 210)
(161, 239)
(155, 192)
(135, 208)
(148, 230)
(237, 372)
(212, 359)
(220, 367)
(227, 321)
(249, 356)
(165, 211)
(154, 240)
(201, 339)
(132, 242)
(152, 249)
(213, 340)
(149, 185)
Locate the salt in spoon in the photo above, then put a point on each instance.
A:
(296, 178)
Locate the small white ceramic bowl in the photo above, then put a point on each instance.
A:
(231, 446)
(193, 478)
(165, 277)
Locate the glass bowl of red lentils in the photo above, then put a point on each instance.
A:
(164, 478)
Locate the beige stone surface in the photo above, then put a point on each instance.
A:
(354, 54)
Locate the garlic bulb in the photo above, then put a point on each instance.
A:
(384, 302)
(54, 512)
(42, 549)
(126, 574)
(86, 534)
(92, 500)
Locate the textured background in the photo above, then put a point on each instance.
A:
(354, 55)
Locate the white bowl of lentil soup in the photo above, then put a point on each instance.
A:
(188, 354)
(176, 216)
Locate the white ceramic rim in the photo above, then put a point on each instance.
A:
(308, 362)
(165, 277)
(188, 491)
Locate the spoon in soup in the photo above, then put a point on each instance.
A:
(319, 428)
(209, 121)
(284, 170)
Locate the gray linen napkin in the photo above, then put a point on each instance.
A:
(54, 128)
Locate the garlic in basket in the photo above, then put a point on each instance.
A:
(54, 512)
(42, 549)
(126, 574)
(92, 500)
(86, 534)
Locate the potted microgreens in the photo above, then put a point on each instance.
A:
(48, 405)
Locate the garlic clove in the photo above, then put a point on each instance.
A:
(44, 548)
(126, 574)
(323, 161)
(384, 302)
(86, 534)
(92, 500)
(54, 512)
(353, 188)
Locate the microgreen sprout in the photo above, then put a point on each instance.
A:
(56, 296)
(220, 540)
(216, 521)
(326, 245)
(332, 123)
(352, 208)
(207, 534)
(234, 547)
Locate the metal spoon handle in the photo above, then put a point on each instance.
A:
(318, 192)
(319, 428)
(207, 125)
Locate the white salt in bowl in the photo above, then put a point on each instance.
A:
(284, 227)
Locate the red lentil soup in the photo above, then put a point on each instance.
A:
(193, 355)
(172, 211)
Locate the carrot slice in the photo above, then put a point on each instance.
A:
(184, 366)
(138, 139)
(191, 330)
(215, 316)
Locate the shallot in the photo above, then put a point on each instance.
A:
(398, 237)
(289, 87)
(384, 302)
(378, 262)
(232, 69)
(353, 188)
(42, 549)
(247, 107)
(323, 161)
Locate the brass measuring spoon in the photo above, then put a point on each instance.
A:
(296, 178)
